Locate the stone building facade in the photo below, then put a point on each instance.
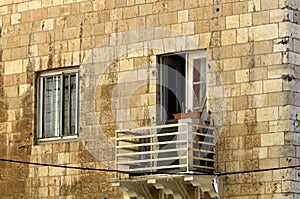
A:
(252, 57)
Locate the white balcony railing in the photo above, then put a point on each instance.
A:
(179, 147)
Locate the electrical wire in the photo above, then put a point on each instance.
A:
(126, 172)
(257, 170)
(60, 166)
(87, 168)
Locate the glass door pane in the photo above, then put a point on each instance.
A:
(70, 88)
(51, 104)
(199, 83)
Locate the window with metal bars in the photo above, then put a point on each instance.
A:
(58, 95)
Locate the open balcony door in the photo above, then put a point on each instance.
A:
(173, 84)
(183, 83)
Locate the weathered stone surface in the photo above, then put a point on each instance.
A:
(252, 49)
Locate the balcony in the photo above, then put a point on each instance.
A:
(178, 147)
(165, 159)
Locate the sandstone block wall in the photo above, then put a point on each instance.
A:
(252, 50)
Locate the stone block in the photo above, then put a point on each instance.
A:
(284, 29)
(272, 139)
(23, 88)
(263, 177)
(202, 26)
(126, 64)
(232, 90)
(217, 24)
(228, 37)
(278, 15)
(3, 10)
(15, 18)
(108, 27)
(260, 153)
(266, 5)
(47, 24)
(42, 171)
(240, 103)
(242, 50)
(13, 67)
(145, 9)
(273, 85)
(245, 116)
(277, 71)
(278, 152)
(246, 20)
(227, 9)
(240, 7)
(63, 158)
(258, 101)
(6, 2)
(183, 16)
(282, 4)
(228, 77)
(104, 16)
(263, 32)
(242, 35)
(249, 142)
(279, 126)
(232, 21)
(19, 53)
(195, 14)
(251, 88)
(258, 74)
(71, 33)
(242, 75)
(268, 163)
(251, 188)
(232, 64)
(11, 115)
(279, 46)
(216, 42)
(260, 18)
(248, 165)
(205, 40)
(206, 12)
(293, 57)
(216, 92)
(42, 192)
(232, 166)
(286, 186)
(73, 44)
(273, 187)
(168, 18)
(271, 59)
(188, 28)
(191, 4)
(23, 7)
(137, 22)
(267, 114)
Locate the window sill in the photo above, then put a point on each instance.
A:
(57, 139)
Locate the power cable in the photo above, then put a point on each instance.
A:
(257, 170)
(126, 172)
(60, 166)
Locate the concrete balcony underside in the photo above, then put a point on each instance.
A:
(168, 187)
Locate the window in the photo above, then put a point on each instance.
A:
(183, 83)
(58, 104)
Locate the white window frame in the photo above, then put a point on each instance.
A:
(190, 57)
(40, 105)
